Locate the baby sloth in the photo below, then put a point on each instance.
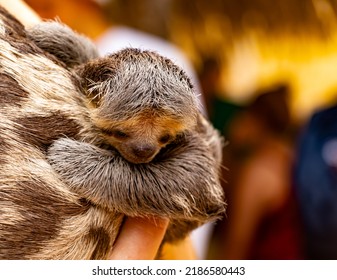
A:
(151, 152)
(138, 100)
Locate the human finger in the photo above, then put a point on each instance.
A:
(139, 239)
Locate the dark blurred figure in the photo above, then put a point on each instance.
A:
(316, 184)
(262, 221)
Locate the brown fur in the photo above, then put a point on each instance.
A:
(41, 131)
(44, 212)
(15, 96)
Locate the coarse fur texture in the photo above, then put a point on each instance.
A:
(73, 163)
(58, 39)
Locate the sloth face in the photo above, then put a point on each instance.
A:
(139, 101)
(140, 138)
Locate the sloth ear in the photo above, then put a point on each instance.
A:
(92, 75)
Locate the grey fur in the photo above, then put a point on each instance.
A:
(64, 187)
(58, 39)
(180, 184)
(135, 80)
(183, 172)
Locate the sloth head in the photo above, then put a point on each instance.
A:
(139, 100)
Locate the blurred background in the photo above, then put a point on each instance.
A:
(263, 69)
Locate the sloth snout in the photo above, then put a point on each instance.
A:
(144, 151)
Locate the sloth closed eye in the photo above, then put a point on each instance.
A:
(165, 138)
(115, 133)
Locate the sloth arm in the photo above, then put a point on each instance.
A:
(182, 183)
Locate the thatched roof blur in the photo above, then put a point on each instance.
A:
(203, 27)
(272, 16)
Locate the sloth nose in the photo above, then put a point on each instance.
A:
(144, 151)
